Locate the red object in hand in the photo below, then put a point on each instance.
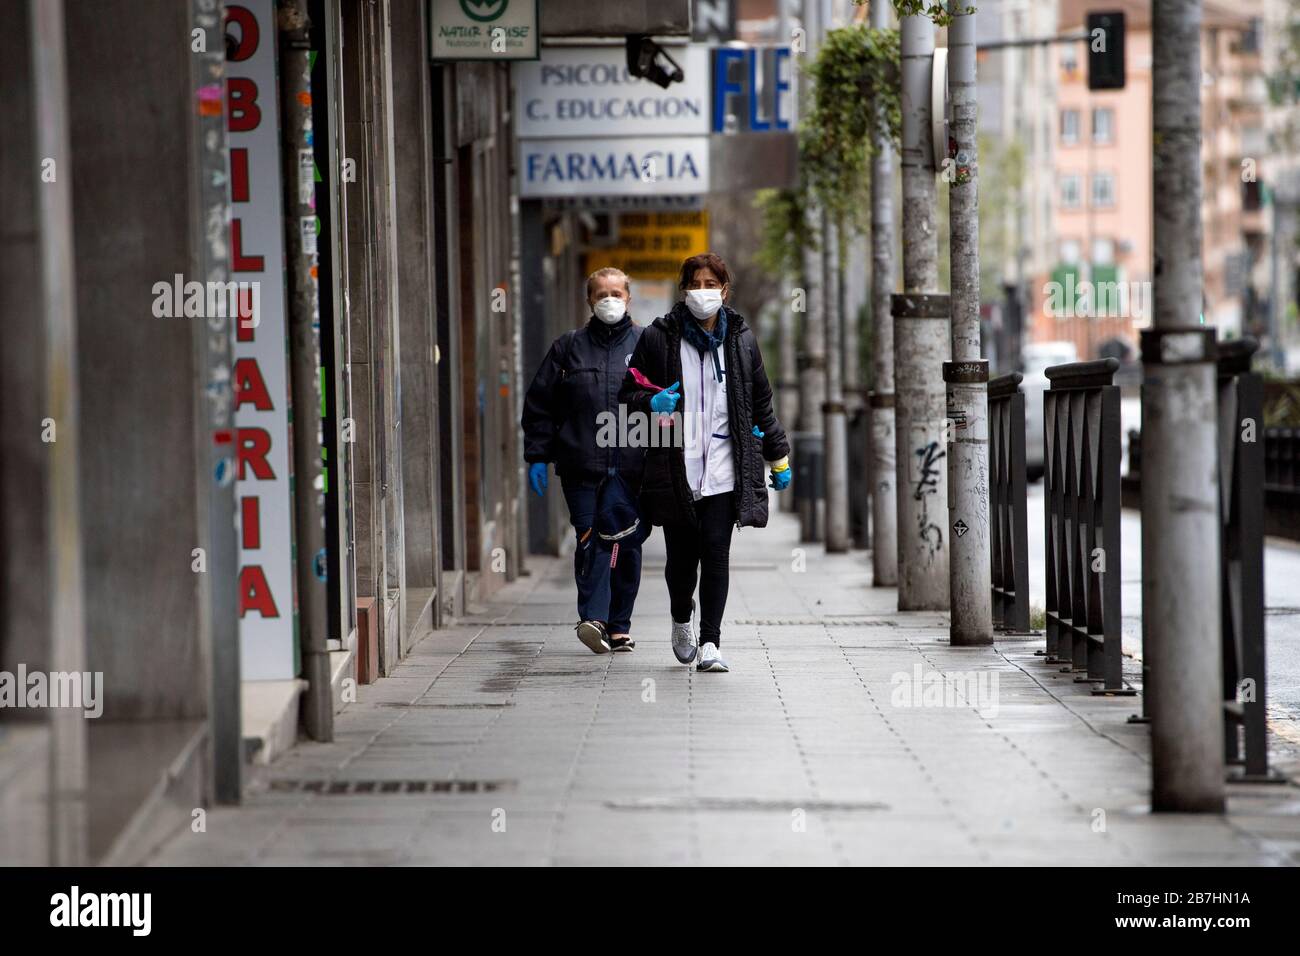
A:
(644, 382)
(639, 377)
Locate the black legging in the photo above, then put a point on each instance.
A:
(705, 547)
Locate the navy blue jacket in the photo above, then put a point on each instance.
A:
(580, 378)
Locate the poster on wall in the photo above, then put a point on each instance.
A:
(652, 245)
(264, 504)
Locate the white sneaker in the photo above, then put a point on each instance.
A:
(710, 659)
(684, 648)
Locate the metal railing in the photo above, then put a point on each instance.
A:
(809, 484)
(1243, 461)
(1282, 458)
(1081, 424)
(860, 477)
(1009, 544)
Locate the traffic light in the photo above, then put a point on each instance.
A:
(1106, 51)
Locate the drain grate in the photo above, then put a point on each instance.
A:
(436, 706)
(817, 621)
(731, 566)
(481, 623)
(749, 804)
(388, 787)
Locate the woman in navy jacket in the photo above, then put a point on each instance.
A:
(572, 394)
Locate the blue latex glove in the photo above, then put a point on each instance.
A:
(664, 402)
(537, 477)
(781, 479)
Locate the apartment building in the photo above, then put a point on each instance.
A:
(1097, 292)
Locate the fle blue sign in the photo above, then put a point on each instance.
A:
(752, 90)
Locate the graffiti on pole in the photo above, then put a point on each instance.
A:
(927, 484)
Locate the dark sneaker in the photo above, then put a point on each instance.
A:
(592, 633)
(621, 644)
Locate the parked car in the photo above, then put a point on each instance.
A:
(1035, 359)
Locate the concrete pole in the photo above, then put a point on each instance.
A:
(294, 37)
(854, 277)
(787, 396)
(835, 424)
(812, 359)
(214, 347)
(884, 498)
(1286, 196)
(920, 347)
(1180, 520)
(57, 289)
(812, 355)
(970, 569)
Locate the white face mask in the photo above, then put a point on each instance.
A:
(610, 309)
(704, 302)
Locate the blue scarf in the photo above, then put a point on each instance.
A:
(704, 341)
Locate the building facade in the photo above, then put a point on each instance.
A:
(139, 549)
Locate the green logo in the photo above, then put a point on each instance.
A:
(484, 11)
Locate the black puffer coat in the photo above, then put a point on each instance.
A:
(665, 493)
(577, 381)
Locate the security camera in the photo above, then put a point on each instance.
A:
(643, 60)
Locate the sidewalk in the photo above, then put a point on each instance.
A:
(508, 742)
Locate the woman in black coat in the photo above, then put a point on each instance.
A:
(705, 472)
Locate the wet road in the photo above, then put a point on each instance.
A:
(1281, 600)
